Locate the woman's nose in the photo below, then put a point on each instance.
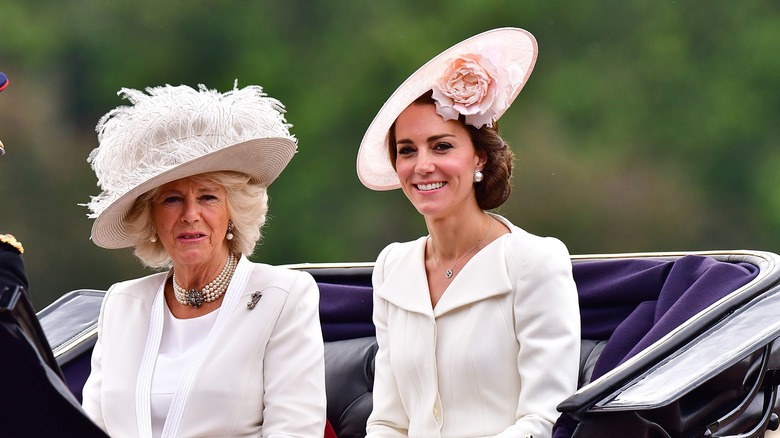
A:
(424, 164)
(191, 212)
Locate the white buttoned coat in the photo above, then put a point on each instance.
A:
(495, 356)
(259, 372)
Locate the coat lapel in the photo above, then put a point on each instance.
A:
(144, 381)
(406, 285)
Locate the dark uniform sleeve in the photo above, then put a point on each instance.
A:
(11, 264)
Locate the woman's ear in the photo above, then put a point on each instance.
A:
(481, 159)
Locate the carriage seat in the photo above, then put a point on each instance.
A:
(626, 304)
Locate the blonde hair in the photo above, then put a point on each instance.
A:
(247, 203)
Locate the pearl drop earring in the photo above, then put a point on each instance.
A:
(478, 176)
(229, 235)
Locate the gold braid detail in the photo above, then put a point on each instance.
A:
(11, 240)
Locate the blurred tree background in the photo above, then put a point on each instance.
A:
(646, 125)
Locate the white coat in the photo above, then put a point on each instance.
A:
(260, 372)
(495, 356)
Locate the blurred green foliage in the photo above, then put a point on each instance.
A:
(646, 126)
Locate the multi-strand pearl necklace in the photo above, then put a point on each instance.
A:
(211, 291)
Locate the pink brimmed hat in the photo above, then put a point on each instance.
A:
(478, 78)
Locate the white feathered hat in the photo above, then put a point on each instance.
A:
(174, 132)
(477, 78)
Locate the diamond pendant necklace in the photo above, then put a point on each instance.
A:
(448, 272)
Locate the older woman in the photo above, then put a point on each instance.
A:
(477, 322)
(215, 345)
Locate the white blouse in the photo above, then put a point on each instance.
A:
(181, 339)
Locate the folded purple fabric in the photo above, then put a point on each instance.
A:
(634, 302)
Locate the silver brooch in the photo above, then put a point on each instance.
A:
(255, 298)
(194, 298)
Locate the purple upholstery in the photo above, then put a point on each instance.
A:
(76, 372)
(345, 311)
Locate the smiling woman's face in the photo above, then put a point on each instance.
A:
(435, 161)
(192, 219)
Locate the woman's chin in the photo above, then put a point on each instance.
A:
(192, 256)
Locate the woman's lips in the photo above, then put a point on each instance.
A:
(191, 236)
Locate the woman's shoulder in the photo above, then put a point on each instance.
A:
(398, 250)
(265, 275)
(524, 246)
(139, 285)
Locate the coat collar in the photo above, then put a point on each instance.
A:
(482, 277)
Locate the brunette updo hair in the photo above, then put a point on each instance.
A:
(495, 188)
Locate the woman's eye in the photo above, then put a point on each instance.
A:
(405, 150)
(442, 146)
(208, 198)
(171, 199)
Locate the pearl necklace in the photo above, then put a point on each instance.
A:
(448, 272)
(211, 291)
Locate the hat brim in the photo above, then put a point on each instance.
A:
(262, 159)
(374, 168)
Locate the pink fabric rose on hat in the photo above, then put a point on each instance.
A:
(470, 87)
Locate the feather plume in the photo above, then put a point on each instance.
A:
(167, 126)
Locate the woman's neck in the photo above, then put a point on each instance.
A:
(453, 236)
(198, 276)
